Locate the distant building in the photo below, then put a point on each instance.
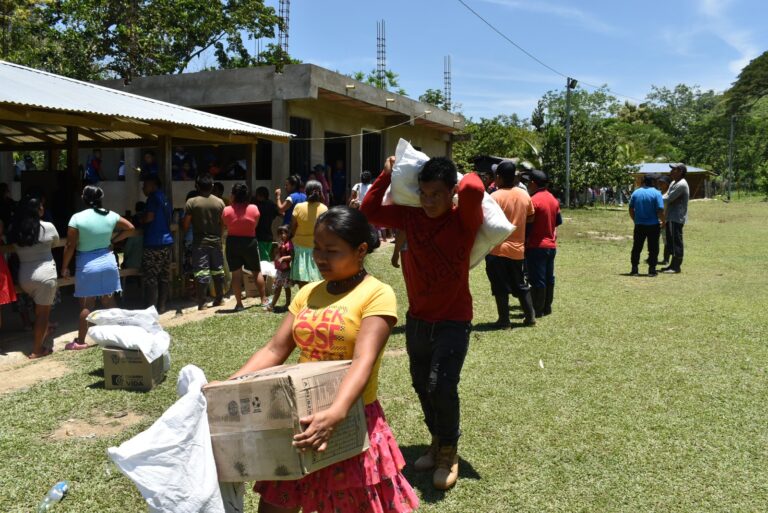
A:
(699, 180)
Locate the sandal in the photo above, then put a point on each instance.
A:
(46, 352)
(75, 346)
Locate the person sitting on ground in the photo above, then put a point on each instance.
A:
(303, 268)
(90, 232)
(364, 311)
(241, 219)
(360, 189)
(158, 244)
(295, 196)
(646, 208)
(33, 239)
(203, 213)
(504, 266)
(282, 268)
(541, 243)
(440, 239)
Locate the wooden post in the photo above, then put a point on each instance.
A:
(250, 173)
(73, 161)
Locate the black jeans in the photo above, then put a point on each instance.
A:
(540, 263)
(642, 232)
(436, 352)
(506, 276)
(676, 239)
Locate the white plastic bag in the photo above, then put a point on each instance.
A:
(147, 319)
(172, 462)
(152, 345)
(268, 269)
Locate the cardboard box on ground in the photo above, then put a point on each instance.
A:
(249, 284)
(253, 420)
(129, 370)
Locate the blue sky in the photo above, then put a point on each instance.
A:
(629, 45)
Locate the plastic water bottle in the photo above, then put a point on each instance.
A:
(54, 495)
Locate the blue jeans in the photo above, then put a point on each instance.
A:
(541, 267)
(436, 351)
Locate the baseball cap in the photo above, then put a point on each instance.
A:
(538, 177)
(505, 166)
(678, 165)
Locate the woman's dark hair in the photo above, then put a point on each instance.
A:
(351, 225)
(92, 197)
(240, 193)
(314, 191)
(365, 177)
(25, 229)
(294, 181)
(439, 169)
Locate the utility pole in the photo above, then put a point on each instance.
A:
(730, 157)
(570, 83)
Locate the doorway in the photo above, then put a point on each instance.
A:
(337, 156)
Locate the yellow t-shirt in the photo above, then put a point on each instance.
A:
(306, 215)
(325, 326)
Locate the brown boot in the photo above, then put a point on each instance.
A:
(447, 471)
(427, 460)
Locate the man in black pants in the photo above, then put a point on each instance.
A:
(677, 214)
(646, 208)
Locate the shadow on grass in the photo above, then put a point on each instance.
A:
(637, 275)
(422, 481)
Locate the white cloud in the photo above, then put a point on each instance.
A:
(721, 26)
(581, 18)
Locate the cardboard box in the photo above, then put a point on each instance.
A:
(253, 420)
(129, 370)
(250, 288)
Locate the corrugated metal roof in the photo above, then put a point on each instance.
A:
(663, 167)
(24, 86)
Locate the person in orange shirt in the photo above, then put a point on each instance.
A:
(505, 265)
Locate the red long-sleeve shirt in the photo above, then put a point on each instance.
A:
(438, 249)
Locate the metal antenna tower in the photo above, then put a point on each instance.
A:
(447, 82)
(381, 53)
(284, 13)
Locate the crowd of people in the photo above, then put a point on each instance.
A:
(340, 310)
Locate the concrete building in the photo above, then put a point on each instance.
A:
(335, 119)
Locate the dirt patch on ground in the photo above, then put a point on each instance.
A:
(604, 236)
(99, 425)
(27, 375)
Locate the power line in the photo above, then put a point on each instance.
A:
(406, 122)
(533, 57)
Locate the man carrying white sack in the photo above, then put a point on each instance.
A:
(440, 239)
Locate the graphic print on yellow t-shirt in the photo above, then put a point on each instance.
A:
(325, 326)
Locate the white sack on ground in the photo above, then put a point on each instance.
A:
(172, 462)
(147, 319)
(268, 269)
(152, 345)
(405, 191)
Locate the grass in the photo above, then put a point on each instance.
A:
(652, 395)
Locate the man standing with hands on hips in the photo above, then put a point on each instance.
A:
(440, 238)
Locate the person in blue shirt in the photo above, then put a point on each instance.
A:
(646, 208)
(295, 196)
(158, 241)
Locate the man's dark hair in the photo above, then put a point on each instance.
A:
(506, 171)
(262, 192)
(153, 179)
(204, 182)
(439, 168)
(648, 180)
(365, 177)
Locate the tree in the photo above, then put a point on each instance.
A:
(502, 136)
(751, 85)
(93, 39)
(433, 97)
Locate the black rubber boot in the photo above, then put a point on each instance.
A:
(538, 295)
(502, 308)
(150, 295)
(202, 295)
(548, 298)
(162, 296)
(218, 285)
(526, 302)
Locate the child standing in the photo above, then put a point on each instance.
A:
(282, 267)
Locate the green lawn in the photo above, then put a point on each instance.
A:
(652, 396)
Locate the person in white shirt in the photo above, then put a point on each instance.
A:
(360, 189)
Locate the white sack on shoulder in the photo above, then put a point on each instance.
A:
(147, 319)
(405, 175)
(172, 462)
(495, 228)
(152, 345)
